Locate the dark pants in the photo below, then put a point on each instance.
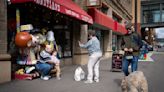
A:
(44, 68)
(126, 63)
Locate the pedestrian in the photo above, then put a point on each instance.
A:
(47, 62)
(144, 51)
(93, 47)
(131, 43)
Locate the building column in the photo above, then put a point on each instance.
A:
(80, 56)
(109, 12)
(5, 63)
(108, 44)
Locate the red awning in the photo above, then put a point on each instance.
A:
(104, 20)
(67, 7)
(120, 28)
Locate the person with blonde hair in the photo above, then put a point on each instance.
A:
(47, 62)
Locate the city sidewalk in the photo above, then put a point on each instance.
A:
(109, 82)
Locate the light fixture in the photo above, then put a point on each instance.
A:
(146, 29)
(9, 1)
(146, 37)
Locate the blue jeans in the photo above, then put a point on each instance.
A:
(126, 63)
(44, 68)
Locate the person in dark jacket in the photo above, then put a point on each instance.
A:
(131, 43)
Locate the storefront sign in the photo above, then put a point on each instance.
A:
(72, 13)
(60, 6)
(54, 6)
(49, 4)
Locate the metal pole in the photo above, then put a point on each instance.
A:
(135, 15)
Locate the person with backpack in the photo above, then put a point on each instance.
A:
(131, 43)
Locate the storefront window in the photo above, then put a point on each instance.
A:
(64, 40)
(162, 15)
(156, 16)
(151, 16)
(99, 35)
(43, 18)
(151, 13)
(116, 17)
(67, 49)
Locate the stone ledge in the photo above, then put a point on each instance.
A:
(108, 51)
(5, 57)
(84, 53)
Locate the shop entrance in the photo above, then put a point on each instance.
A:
(42, 18)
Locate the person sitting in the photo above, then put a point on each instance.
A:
(46, 63)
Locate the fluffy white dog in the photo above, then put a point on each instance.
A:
(134, 82)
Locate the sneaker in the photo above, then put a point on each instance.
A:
(58, 78)
(45, 77)
(88, 81)
(96, 80)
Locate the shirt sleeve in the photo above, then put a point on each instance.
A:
(44, 55)
(86, 45)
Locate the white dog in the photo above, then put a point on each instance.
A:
(134, 82)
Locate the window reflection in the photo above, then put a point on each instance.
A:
(151, 16)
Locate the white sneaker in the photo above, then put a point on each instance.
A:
(45, 77)
(59, 78)
(96, 80)
(88, 81)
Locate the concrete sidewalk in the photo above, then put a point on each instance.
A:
(109, 82)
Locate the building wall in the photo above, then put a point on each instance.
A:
(3, 27)
(5, 64)
(81, 3)
(121, 7)
(138, 14)
(126, 4)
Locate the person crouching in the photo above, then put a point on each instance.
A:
(47, 62)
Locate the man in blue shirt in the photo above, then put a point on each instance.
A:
(93, 47)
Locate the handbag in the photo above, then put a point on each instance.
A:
(79, 74)
(129, 57)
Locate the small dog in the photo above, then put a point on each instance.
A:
(134, 82)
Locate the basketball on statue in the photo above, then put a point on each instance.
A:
(22, 38)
